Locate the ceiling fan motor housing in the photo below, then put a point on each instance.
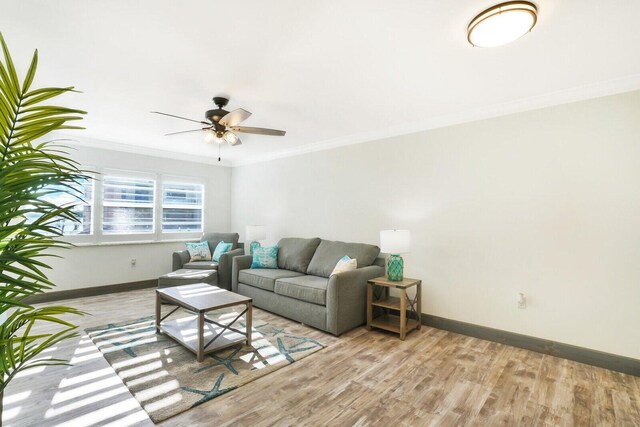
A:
(214, 116)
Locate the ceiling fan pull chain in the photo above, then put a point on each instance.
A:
(219, 152)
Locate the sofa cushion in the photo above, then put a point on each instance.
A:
(295, 253)
(311, 289)
(221, 249)
(264, 278)
(215, 238)
(201, 265)
(329, 252)
(265, 257)
(198, 251)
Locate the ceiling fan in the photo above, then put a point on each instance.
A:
(222, 125)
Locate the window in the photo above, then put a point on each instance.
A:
(82, 199)
(182, 206)
(127, 205)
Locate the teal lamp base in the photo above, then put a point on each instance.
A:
(252, 246)
(395, 265)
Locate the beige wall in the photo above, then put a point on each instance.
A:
(545, 202)
(87, 266)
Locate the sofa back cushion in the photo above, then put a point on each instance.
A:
(215, 238)
(295, 253)
(329, 253)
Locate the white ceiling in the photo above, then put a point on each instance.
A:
(330, 72)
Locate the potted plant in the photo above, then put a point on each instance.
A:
(29, 220)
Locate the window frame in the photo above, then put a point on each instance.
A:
(98, 237)
(129, 236)
(86, 238)
(167, 180)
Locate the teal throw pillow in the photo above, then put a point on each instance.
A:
(199, 251)
(265, 257)
(221, 249)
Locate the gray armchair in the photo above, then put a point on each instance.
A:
(223, 267)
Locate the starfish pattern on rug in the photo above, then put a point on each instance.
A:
(125, 346)
(269, 330)
(209, 394)
(296, 347)
(227, 362)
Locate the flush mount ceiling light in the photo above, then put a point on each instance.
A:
(502, 24)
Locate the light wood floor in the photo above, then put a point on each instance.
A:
(362, 379)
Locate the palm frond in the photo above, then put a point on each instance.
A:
(29, 169)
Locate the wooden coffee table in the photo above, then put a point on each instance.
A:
(201, 334)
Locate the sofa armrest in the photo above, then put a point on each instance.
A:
(224, 267)
(179, 259)
(347, 298)
(241, 262)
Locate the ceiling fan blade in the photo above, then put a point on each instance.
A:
(259, 131)
(235, 117)
(185, 131)
(183, 118)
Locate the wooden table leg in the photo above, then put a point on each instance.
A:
(419, 304)
(248, 321)
(369, 307)
(403, 313)
(158, 311)
(200, 354)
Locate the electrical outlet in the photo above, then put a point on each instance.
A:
(522, 300)
(133, 262)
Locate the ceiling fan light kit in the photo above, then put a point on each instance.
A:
(222, 125)
(502, 24)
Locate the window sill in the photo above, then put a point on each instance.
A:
(133, 242)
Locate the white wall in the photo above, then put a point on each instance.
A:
(545, 202)
(87, 266)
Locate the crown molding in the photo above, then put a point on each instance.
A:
(565, 96)
(78, 140)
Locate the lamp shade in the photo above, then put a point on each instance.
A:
(255, 232)
(395, 241)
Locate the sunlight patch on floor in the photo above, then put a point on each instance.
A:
(129, 420)
(31, 371)
(140, 369)
(136, 360)
(157, 390)
(10, 413)
(95, 417)
(163, 403)
(129, 345)
(15, 398)
(78, 379)
(54, 412)
(63, 396)
(147, 378)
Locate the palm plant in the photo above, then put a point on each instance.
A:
(29, 172)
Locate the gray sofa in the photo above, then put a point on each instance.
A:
(223, 267)
(301, 289)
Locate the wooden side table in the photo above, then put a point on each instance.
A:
(400, 324)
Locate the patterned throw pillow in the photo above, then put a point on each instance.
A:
(221, 249)
(265, 257)
(199, 251)
(345, 264)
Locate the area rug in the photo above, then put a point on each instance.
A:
(166, 378)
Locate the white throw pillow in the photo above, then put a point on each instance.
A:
(345, 264)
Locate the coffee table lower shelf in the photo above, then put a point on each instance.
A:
(185, 331)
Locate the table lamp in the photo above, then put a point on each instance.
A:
(254, 233)
(395, 242)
